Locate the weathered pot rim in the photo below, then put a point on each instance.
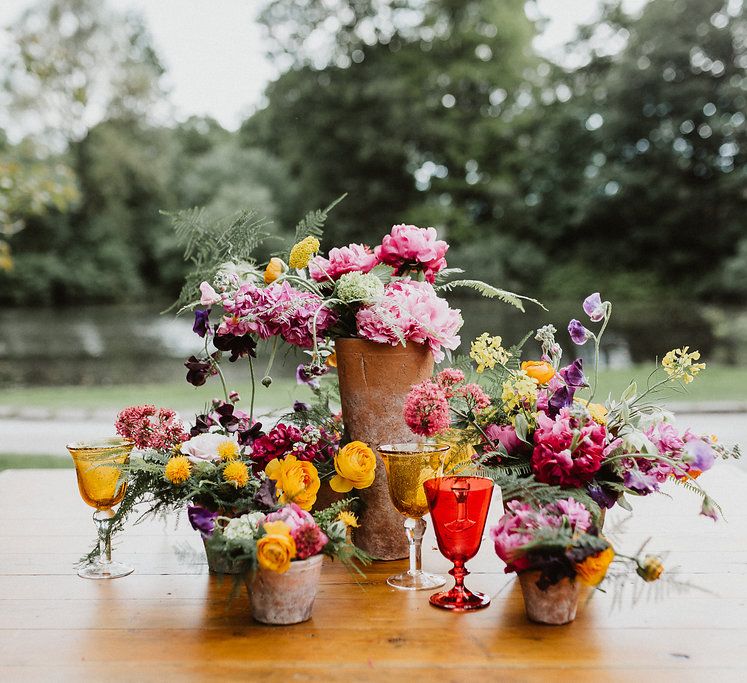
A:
(358, 341)
(296, 566)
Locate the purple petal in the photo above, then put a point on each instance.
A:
(699, 455)
(579, 334)
(202, 323)
(201, 519)
(573, 374)
(562, 398)
(640, 482)
(602, 496)
(594, 308)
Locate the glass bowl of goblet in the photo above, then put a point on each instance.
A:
(459, 508)
(408, 465)
(100, 466)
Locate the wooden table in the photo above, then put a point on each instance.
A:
(172, 619)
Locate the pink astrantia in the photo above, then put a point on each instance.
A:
(413, 311)
(355, 258)
(408, 248)
(426, 410)
(553, 461)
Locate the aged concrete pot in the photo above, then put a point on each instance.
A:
(286, 598)
(556, 605)
(219, 563)
(374, 381)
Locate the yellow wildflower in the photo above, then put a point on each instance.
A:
(678, 364)
(594, 568)
(355, 465)
(297, 480)
(519, 391)
(178, 469)
(486, 351)
(237, 474)
(348, 519)
(274, 270)
(228, 450)
(302, 252)
(651, 568)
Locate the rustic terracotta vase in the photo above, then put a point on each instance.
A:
(374, 381)
(556, 605)
(218, 563)
(286, 598)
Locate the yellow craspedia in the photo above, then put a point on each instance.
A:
(348, 519)
(228, 450)
(178, 469)
(237, 474)
(302, 252)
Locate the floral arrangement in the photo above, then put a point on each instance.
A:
(560, 540)
(537, 420)
(271, 541)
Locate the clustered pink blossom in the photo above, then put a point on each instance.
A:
(408, 248)
(353, 258)
(414, 310)
(308, 536)
(275, 310)
(309, 443)
(516, 528)
(448, 379)
(553, 461)
(476, 398)
(151, 427)
(426, 410)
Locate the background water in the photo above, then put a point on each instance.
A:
(130, 344)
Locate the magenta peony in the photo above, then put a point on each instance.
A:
(506, 435)
(407, 248)
(355, 258)
(426, 410)
(411, 310)
(552, 460)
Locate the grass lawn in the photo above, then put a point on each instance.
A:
(12, 461)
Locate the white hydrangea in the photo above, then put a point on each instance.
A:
(363, 287)
(243, 528)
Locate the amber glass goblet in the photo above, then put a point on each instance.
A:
(99, 467)
(408, 465)
(459, 507)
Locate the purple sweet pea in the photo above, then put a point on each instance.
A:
(562, 398)
(640, 482)
(594, 308)
(698, 454)
(579, 334)
(301, 407)
(708, 509)
(201, 519)
(602, 496)
(202, 322)
(310, 374)
(573, 374)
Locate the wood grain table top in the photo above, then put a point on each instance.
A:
(171, 620)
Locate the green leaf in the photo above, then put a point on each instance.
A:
(490, 292)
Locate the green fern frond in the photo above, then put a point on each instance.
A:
(312, 224)
(491, 292)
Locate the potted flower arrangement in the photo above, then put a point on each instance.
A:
(535, 422)
(281, 554)
(555, 548)
(376, 314)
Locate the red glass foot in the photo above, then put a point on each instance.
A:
(459, 599)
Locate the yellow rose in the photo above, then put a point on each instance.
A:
(275, 552)
(297, 481)
(540, 370)
(356, 467)
(274, 270)
(594, 568)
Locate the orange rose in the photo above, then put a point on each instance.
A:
(594, 568)
(540, 370)
(274, 270)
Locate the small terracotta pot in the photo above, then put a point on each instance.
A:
(286, 598)
(374, 381)
(556, 605)
(219, 563)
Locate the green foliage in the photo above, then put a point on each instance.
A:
(490, 292)
(312, 224)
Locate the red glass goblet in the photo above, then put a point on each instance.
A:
(459, 509)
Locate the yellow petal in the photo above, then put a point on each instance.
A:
(340, 484)
(272, 467)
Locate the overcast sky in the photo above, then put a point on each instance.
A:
(210, 46)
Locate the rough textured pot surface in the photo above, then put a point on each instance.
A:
(556, 605)
(220, 564)
(285, 598)
(374, 381)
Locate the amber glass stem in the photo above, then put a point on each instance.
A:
(414, 529)
(103, 519)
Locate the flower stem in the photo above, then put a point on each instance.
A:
(254, 389)
(597, 341)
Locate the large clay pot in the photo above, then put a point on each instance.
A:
(374, 381)
(555, 605)
(286, 598)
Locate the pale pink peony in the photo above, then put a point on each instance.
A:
(353, 258)
(408, 248)
(414, 310)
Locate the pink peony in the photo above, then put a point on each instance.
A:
(408, 248)
(414, 310)
(426, 410)
(552, 460)
(353, 258)
(506, 435)
(292, 515)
